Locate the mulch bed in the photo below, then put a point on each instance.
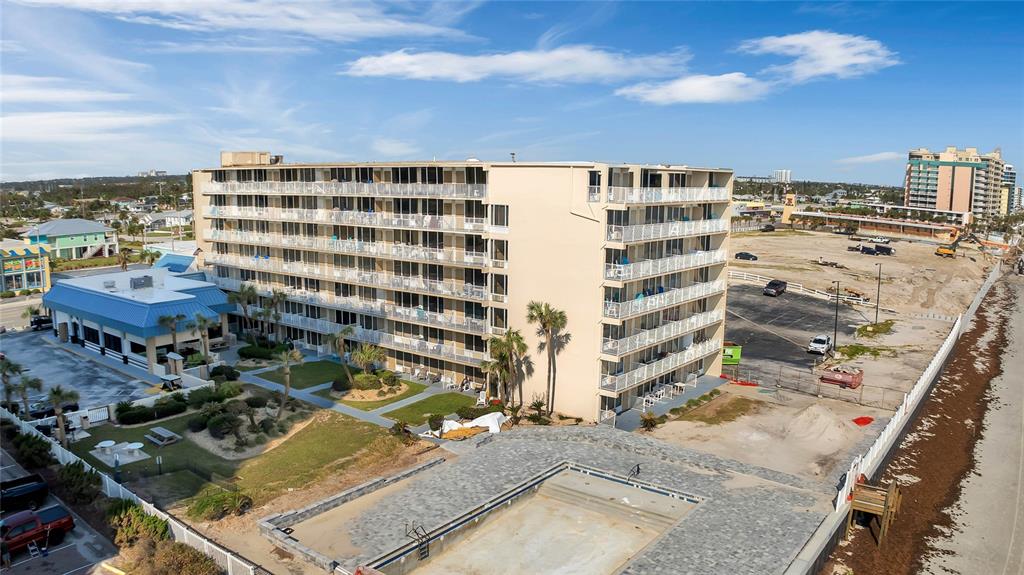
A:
(939, 452)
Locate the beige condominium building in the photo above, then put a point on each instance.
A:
(955, 180)
(429, 260)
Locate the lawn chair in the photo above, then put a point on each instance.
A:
(481, 399)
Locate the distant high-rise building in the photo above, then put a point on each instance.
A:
(782, 176)
(956, 180)
(1010, 188)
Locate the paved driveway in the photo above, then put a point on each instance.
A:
(96, 384)
(80, 550)
(775, 331)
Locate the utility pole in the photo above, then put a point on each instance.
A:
(835, 326)
(878, 292)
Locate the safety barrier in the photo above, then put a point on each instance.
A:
(798, 288)
(231, 562)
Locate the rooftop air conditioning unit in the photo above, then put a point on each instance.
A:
(109, 284)
(142, 282)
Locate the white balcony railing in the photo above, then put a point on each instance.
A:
(403, 343)
(448, 321)
(351, 275)
(348, 217)
(673, 297)
(665, 265)
(661, 333)
(355, 247)
(645, 373)
(447, 191)
(646, 232)
(620, 195)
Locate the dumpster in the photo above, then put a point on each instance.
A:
(731, 353)
(843, 376)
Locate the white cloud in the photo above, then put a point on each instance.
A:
(11, 46)
(698, 89)
(820, 53)
(564, 64)
(873, 158)
(228, 47)
(393, 148)
(65, 127)
(331, 20)
(39, 89)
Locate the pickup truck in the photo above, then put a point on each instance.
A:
(46, 527)
(27, 492)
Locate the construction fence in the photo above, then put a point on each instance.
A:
(806, 381)
(232, 563)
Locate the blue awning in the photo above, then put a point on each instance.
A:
(135, 317)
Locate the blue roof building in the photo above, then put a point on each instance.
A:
(128, 315)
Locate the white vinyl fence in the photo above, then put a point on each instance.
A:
(230, 562)
(795, 287)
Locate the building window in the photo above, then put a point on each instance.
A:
(137, 348)
(499, 216)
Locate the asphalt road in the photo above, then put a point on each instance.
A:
(80, 549)
(775, 331)
(11, 310)
(989, 536)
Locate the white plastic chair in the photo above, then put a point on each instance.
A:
(481, 399)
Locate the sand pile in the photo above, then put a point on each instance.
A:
(818, 425)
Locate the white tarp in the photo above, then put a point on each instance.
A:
(492, 421)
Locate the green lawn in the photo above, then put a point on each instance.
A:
(413, 389)
(325, 446)
(307, 374)
(417, 413)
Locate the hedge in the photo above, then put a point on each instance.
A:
(259, 352)
(366, 381)
(475, 412)
(230, 373)
(6, 294)
(197, 423)
(163, 408)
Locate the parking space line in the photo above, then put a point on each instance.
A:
(50, 552)
(776, 334)
(86, 566)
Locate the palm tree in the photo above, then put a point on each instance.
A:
(550, 322)
(512, 348)
(497, 367)
(287, 358)
(123, 257)
(31, 311)
(171, 322)
(277, 297)
(149, 257)
(58, 397)
(336, 342)
(203, 325)
(366, 355)
(244, 297)
(7, 369)
(27, 384)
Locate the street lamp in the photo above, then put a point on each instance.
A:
(878, 292)
(835, 325)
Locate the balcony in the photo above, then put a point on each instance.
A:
(356, 247)
(448, 321)
(647, 232)
(665, 265)
(620, 195)
(644, 373)
(670, 298)
(347, 217)
(451, 289)
(443, 191)
(660, 334)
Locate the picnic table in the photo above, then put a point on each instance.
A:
(162, 436)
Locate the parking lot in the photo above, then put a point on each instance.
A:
(775, 331)
(96, 384)
(77, 553)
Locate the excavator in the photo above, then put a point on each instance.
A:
(949, 250)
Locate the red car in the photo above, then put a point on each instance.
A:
(46, 527)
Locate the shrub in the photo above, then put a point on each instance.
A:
(402, 432)
(25, 292)
(388, 378)
(215, 503)
(538, 419)
(167, 407)
(259, 439)
(692, 403)
(714, 393)
(136, 415)
(194, 360)
(197, 422)
(6, 294)
(228, 372)
(222, 425)
(267, 425)
(123, 406)
(218, 379)
(366, 381)
(435, 421)
(256, 402)
(229, 390)
(475, 412)
(80, 485)
(648, 421)
(255, 352)
(199, 397)
(131, 524)
(173, 558)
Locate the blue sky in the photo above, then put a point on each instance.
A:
(830, 91)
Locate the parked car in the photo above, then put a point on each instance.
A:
(43, 408)
(775, 288)
(44, 528)
(885, 250)
(23, 493)
(41, 322)
(878, 240)
(746, 256)
(767, 228)
(820, 344)
(868, 250)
